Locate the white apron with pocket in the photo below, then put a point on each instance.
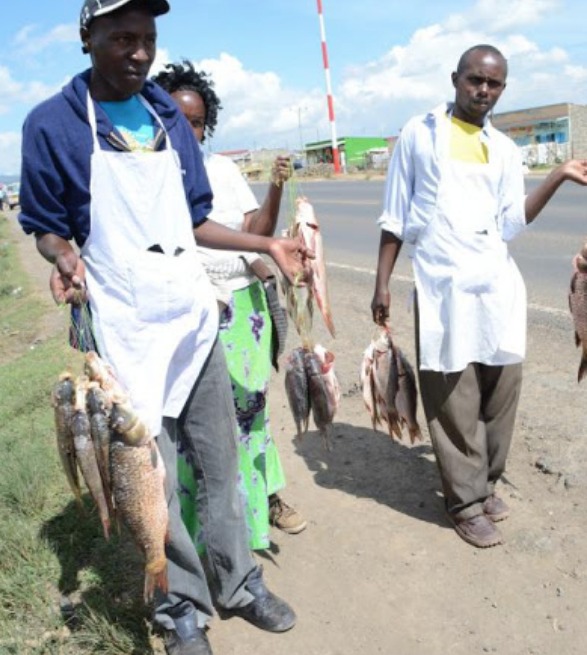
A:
(471, 296)
(154, 313)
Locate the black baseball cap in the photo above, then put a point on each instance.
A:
(93, 8)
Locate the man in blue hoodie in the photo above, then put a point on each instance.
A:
(111, 163)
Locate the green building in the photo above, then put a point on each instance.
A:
(355, 151)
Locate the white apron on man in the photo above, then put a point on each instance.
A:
(471, 296)
(154, 314)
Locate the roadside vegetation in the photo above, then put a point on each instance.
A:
(63, 589)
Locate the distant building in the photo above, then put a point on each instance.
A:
(356, 151)
(549, 134)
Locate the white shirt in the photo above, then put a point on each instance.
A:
(232, 199)
(414, 173)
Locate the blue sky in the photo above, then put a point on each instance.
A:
(388, 60)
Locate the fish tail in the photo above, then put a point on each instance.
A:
(105, 520)
(325, 432)
(155, 578)
(415, 434)
(330, 323)
(396, 430)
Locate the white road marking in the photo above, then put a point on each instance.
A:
(404, 278)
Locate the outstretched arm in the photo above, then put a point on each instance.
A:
(289, 254)
(574, 170)
(263, 220)
(389, 249)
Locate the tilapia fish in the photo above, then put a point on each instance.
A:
(138, 487)
(389, 387)
(296, 388)
(62, 399)
(578, 307)
(98, 407)
(386, 383)
(323, 388)
(306, 226)
(406, 399)
(86, 454)
(99, 431)
(97, 370)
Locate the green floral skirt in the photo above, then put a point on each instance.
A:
(245, 332)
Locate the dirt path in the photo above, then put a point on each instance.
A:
(379, 570)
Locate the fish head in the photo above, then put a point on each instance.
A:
(64, 391)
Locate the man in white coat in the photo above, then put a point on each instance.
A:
(455, 193)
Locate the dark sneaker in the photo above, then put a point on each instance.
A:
(478, 531)
(284, 517)
(266, 611)
(495, 509)
(196, 644)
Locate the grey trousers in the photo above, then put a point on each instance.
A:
(207, 427)
(471, 417)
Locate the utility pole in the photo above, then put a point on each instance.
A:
(300, 128)
(335, 153)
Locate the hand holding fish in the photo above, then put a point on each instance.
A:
(67, 279)
(292, 257)
(380, 307)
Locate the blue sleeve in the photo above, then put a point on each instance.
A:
(55, 174)
(41, 193)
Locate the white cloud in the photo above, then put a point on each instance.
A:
(374, 97)
(409, 79)
(258, 111)
(30, 41)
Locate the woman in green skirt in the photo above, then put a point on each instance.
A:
(246, 328)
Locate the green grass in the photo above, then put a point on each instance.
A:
(63, 588)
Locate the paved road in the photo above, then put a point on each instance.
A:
(347, 212)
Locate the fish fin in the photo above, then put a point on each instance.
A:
(582, 368)
(577, 339)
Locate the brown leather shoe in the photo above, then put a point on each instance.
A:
(495, 509)
(478, 531)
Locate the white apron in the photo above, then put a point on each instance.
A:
(154, 314)
(471, 296)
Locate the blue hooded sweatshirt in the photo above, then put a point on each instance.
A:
(57, 147)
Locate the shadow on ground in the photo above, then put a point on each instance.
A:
(369, 464)
(110, 574)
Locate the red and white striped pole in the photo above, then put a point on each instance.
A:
(335, 153)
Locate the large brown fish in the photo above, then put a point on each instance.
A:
(306, 225)
(62, 399)
(138, 486)
(86, 454)
(578, 307)
(296, 388)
